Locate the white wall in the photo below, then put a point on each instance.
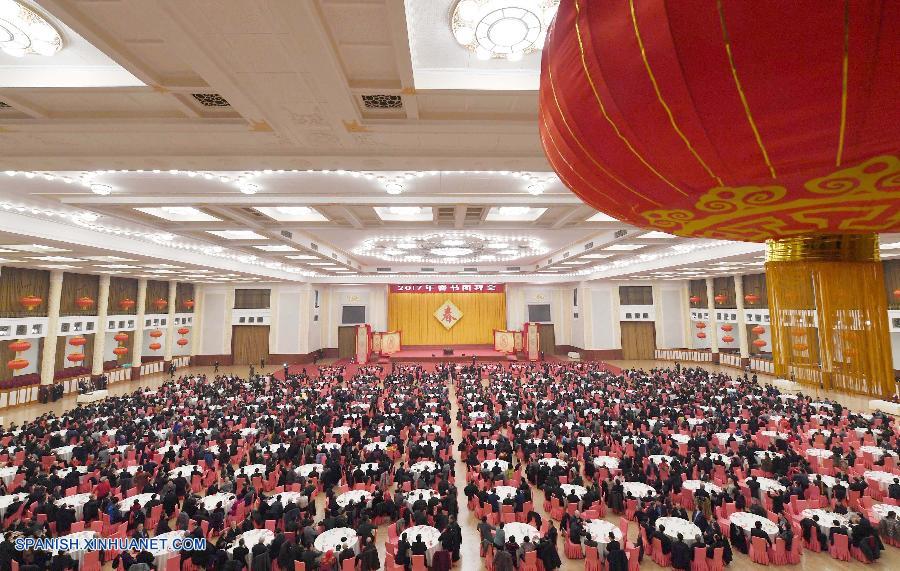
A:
(215, 321)
(602, 329)
(32, 355)
(558, 296)
(670, 299)
(372, 297)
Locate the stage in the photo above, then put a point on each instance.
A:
(435, 353)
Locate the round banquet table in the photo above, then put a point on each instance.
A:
(608, 462)
(340, 430)
(366, 466)
(638, 489)
(829, 481)
(252, 470)
(525, 425)
(130, 469)
(289, 497)
(658, 458)
(489, 442)
(817, 405)
(306, 469)
(431, 537)
(692, 422)
(551, 462)
(478, 414)
(504, 492)
(813, 431)
(883, 478)
(761, 455)
(520, 531)
(166, 448)
(585, 440)
(694, 485)
(80, 537)
(7, 500)
(373, 446)
(354, 496)
(876, 451)
(766, 484)
(251, 538)
(723, 437)
(716, 457)
(64, 452)
(680, 438)
(676, 525)
(537, 441)
(579, 491)
(747, 521)
(881, 510)
(335, 539)
(422, 466)
(775, 434)
(160, 555)
(185, 471)
(488, 465)
(141, 499)
(482, 427)
(416, 495)
(599, 530)
(75, 502)
(273, 448)
(8, 473)
(211, 501)
(330, 446)
(819, 452)
(826, 518)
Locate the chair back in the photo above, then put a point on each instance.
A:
(418, 563)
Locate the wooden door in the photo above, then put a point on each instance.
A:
(347, 341)
(547, 338)
(638, 339)
(249, 344)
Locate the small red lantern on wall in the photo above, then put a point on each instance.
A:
(120, 351)
(694, 299)
(77, 341)
(75, 357)
(183, 330)
(720, 298)
(156, 334)
(800, 346)
(798, 332)
(188, 303)
(160, 303)
(182, 342)
(121, 337)
(701, 335)
(84, 302)
(701, 325)
(17, 364)
(897, 293)
(727, 339)
(759, 330)
(759, 343)
(126, 304)
(751, 298)
(29, 302)
(19, 346)
(727, 327)
(154, 346)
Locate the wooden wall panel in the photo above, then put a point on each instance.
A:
(252, 298)
(756, 284)
(698, 288)
(249, 344)
(635, 295)
(156, 290)
(184, 292)
(119, 289)
(724, 286)
(63, 347)
(547, 338)
(346, 341)
(638, 339)
(18, 282)
(892, 282)
(7, 355)
(75, 286)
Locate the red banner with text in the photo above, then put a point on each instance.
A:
(447, 288)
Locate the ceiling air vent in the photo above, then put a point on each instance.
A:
(211, 100)
(427, 269)
(474, 214)
(4, 105)
(620, 233)
(382, 269)
(470, 269)
(566, 255)
(514, 268)
(446, 214)
(314, 246)
(287, 234)
(589, 245)
(382, 101)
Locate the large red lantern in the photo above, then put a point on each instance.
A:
(19, 346)
(121, 337)
(126, 304)
(75, 357)
(720, 298)
(183, 330)
(759, 330)
(897, 293)
(160, 303)
(759, 343)
(156, 334)
(701, 335)
(701, 325)
(84, 302)
(188, 303)
(801, 346)
(694, 299)
(727, 327)
(77, 341)
(751, 298)
(30, 302)
(727, 339)
(154, 346)
(17, 364)
(119, 351)
(182, 342)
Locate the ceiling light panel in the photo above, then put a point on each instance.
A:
(292, 213)
(179, 214)
(236, 234)
(624, 247)
(34, 248)
(514, 214)
(601, 217)
(405, 213)
(276, 248)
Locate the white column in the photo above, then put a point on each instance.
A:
(138, 343)
(688, 323)
(713, 324)
(197, 329)
(170, 322)
(48, 357)
(100, 332)
(741, 318)
(306, 315)
(229, 313)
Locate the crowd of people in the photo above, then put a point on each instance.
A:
(326, 465)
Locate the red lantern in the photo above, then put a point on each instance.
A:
(701, 325)
(759, 342)
(77, 341)
(664, 115)
(701, 335)
(182, 341)
(160, 303)
(17, 364)
(121, 337)
(897, 293)
(800, 346)
(797, 332)
(126, 304)
(75, 357)
(695, 299)
(183, 330)
(29, 302)
(84, 302)
(727, 339)
(727, 327)
(188, 303)
(156, 334)
(751, 298)
(720, 298)
(154, 346)
(19, 346)
(759, 330)
(120, 351)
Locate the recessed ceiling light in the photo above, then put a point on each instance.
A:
(179, 214)
(597, 256)
(101, 189)
(575, 263)
(276, 248)
(108, 259)
(514, 213)
(601, 217)
(302, 257)
(55, 259)
(656, 236)
(162, 266)
(35, 248)
(321, 264)
(625, 247)
(292, 213)
(405, 213)
(236, 234)
(116, 266)
(58, 266)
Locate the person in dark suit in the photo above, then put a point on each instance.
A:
(681, 554)
(837, 528)
(240, 552)
(660, 534)
(758, 531)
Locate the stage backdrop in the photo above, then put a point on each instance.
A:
(447, 314)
